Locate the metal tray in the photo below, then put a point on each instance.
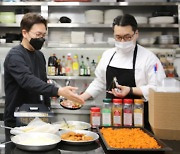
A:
(86, 132)
(108, 149)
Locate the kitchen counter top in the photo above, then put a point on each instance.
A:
(93, 148)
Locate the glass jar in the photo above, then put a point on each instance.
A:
(95, 117)
(128, 112)
(138, 113)
(117, 112)
(106, 112)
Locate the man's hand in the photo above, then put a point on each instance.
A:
(121, 92)
(69, 93)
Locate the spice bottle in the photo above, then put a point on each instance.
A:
(117, 112)
(138, 112)
(128, 112)
(95, 117)
(106, 112)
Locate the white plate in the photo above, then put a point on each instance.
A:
(95, 136)
(36, 141)
(73, 125)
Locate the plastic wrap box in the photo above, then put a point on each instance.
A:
(164, 114)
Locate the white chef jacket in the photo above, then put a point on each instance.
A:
(145, 75)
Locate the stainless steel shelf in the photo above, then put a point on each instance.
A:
(72, 4)
(158, 25)
(168, 46)
(79, 25)
(103, 45)
(108, 4)
(10, 25)
(21, 3)
(71, 77)
(85, 25)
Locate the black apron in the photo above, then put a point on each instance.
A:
(125, 77)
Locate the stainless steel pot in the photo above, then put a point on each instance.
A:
(36, 141)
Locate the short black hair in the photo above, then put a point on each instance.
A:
(125, 20)
(30, 19)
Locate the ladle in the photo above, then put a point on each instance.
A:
(2, 145)
(6, 127)
(66, 122)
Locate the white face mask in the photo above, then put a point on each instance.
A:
(124, 47)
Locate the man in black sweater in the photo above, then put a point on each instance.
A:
(25, 71)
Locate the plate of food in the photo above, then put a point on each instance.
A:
(70, 105)
(78, 137)
(73, 125)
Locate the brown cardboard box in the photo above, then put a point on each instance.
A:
(164, 114)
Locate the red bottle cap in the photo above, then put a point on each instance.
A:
(95, 109)
(119, 101)
(128, 101)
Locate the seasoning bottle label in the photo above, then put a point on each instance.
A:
(106, 117)
(127, 117)
(138, 117)
(117, 118)
(95, 119)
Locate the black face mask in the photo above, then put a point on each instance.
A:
(37, 43)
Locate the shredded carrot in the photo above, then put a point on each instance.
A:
(134, 138)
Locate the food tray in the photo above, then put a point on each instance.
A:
(108, 149)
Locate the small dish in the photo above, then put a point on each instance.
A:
(70, 105)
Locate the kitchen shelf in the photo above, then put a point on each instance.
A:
(84, 25)
(71, 77)
(21, 3)
(10, 25)
(108, 4)
(69, 45)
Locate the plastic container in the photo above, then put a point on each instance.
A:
(128, 112)
(138, 113)
(106, 112)
(117, 112)
(95, 117)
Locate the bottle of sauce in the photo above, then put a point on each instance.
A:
(138, 113)
(106, 112)
(69, 69)
(95, 117)
(63, 64)
(51, 66)
(75, 66)
(128, 112)
(117, 112)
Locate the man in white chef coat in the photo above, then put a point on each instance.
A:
(136, 68)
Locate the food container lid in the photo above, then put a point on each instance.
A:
(138, 101)
(107, 100)
(119, 101)
(95, 109)
(128, 101)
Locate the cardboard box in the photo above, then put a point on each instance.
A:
(164, 114)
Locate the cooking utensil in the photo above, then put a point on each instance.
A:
(94, 135)
(6, 127)
(2, 145)
(66, 122)
(74, 125)
(36, 141)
